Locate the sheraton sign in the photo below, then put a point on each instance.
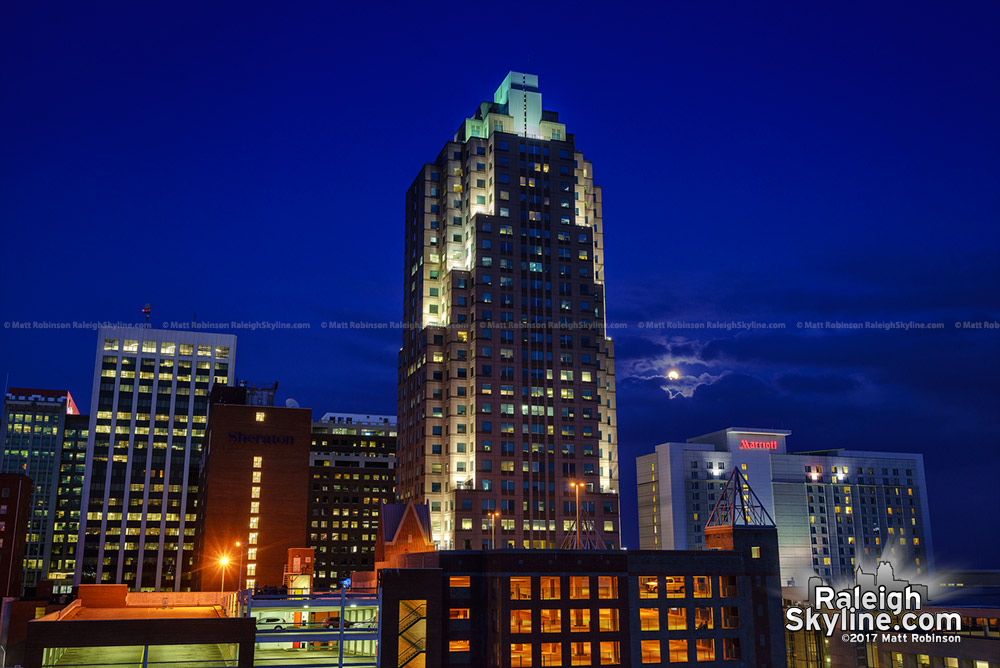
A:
(758, 445)
(260, 439)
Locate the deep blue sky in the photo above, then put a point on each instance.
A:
(778, 162)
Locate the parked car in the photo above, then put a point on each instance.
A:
(366, 624)
(271, 623)
(331, 623)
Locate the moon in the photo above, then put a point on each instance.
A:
(674, 374)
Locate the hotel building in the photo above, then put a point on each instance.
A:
(352, 463)
(33, 427)
(149, 411)
(834, 509)
(253, 491)
(506, 375)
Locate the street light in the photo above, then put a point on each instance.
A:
(239, 574)
(577, 485)
(223, 562)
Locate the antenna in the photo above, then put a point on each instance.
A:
(194, 319)
(146, 311)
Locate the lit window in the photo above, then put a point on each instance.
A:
(256, 477)
(551, 621)
(650, 651)
(255, 492)
(611, 653)
(520, 621)
(458, 645)
(260, 416)
(520, 589)
(579, 587)
(520, 654)
(252, 539)
(257, 462)
(678, 651)
(459, 581)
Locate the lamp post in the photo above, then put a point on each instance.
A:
(239, 573)
(577, 485)
(223, 562)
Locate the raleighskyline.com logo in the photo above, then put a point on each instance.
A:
(877, 604)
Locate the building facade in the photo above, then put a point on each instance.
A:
(506, 375)
(149, 414)
(253, 492)
(16, 508)
(352, 473)
(33, 427)
(834, 509)
(516, 608)
(69, 494)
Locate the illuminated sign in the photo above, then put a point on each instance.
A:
(258, 439)
(758, 445)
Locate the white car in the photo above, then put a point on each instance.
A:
(271, 623)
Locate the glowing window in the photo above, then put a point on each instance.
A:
(259, 416)
(458, 645)
(551, 621)
(650, 650)
(459, 581)
(579, 587)
(520, 654)
(678, 651)
(610, 653)
(607, 587)
(520, 621)
(520, 589)
(579, 620)
(550, 588)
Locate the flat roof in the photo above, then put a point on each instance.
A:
(180, 612)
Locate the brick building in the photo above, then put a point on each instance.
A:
(254, 491)
(15, 508)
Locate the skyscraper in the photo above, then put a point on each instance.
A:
(148, 418)
(33, 423)
(506, 375)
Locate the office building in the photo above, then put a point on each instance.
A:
(834, 509)
(16, 508)
(514, 608)
(149, 412)
(69, 494)
(352, 473)
(506, 375)
(33, 423)
(253, 494)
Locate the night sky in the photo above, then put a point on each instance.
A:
(774, 162)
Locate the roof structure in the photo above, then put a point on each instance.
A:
(738, 505)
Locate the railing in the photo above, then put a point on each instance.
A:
(414, 616)
(415, 649)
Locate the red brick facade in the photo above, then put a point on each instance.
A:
(237, 436)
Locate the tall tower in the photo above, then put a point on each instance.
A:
(149, 413)
(506, 375)
(33, 427)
